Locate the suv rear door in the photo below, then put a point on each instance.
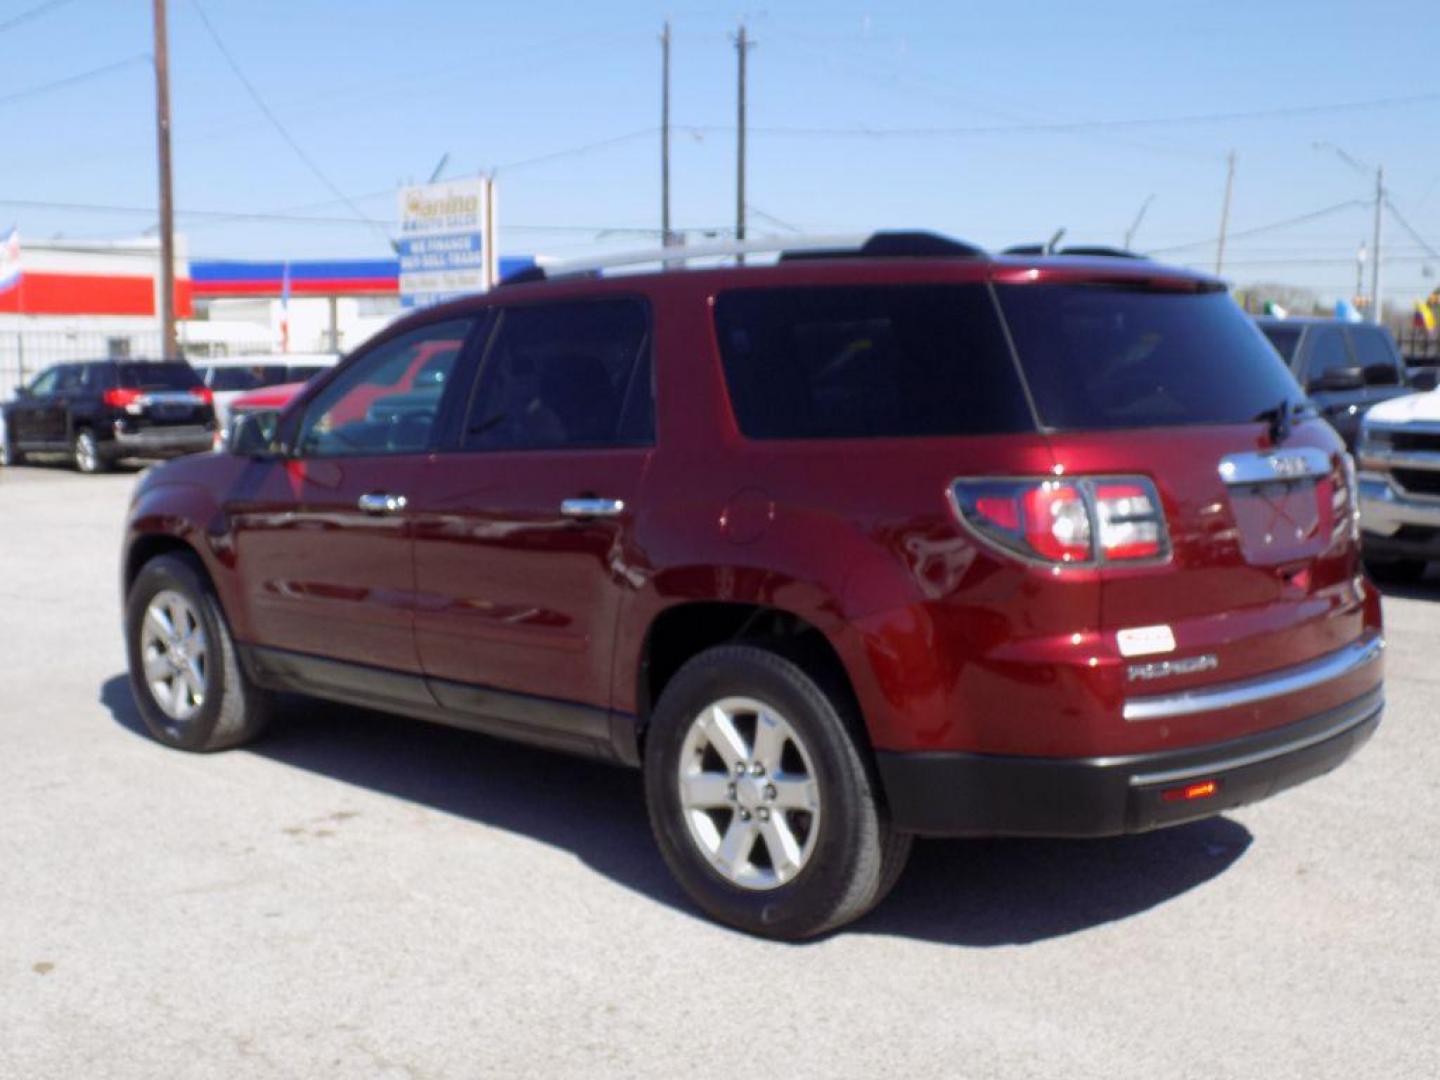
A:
(322, 535)
(523, 530)
(1171, 385)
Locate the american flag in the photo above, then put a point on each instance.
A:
(10, 259)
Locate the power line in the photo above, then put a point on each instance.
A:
(71, 80)
(573, 151)
(1258, 229)
(33, 13)
(275, 120)
(1410, 229)
(1060, 126)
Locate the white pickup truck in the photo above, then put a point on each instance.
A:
(1399, 452)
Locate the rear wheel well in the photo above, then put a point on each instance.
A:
(684, 631)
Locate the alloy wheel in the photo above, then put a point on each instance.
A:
(175, 654)
(749, 793)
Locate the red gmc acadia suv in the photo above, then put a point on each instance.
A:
(868, 543)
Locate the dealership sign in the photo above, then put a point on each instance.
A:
(446, 231)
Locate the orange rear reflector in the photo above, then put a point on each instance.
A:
(1202, 790)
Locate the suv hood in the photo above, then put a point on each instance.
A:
(1402, 410)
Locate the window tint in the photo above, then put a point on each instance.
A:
(1284, 338)
(388, 401)
(44, 385)
(868, 362)
(301, 372)
(246, 378)
(1376, 353)
(157, 376)
(1101, 356)
(562, 375)
(72, 379)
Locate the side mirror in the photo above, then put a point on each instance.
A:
(1424, 378)
(1349, 378)
(253, 434)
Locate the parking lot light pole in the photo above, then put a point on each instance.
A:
(1376, 316)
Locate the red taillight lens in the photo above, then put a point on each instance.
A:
(1072, 521)
(203, 393)
(119, 397)
(1057, 522)
(1129, 520)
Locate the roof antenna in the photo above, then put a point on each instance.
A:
(1050, 244)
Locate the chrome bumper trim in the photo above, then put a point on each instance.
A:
(1248, 691)
(1358, 713)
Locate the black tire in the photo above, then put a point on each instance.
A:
(857, 857)
(85, 453)
(1396, 571)
(235, 710)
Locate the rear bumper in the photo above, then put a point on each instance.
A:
(160, 441)
(959, 794)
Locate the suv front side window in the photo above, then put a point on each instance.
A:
(1329, 355)
(44, 385)
(1376, 355)
(563, 375)
(388, 401)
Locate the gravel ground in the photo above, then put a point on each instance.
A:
(361, 895)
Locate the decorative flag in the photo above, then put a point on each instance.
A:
(285, 307)
(1425, 316)
(10, 259)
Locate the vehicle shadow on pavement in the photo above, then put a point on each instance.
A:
(1427, 588)
(973, 893)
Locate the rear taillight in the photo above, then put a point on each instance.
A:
(119, 397)
(203, 393)
(1077, 521)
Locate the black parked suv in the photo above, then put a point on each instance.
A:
(100, 411)
(1344, 367)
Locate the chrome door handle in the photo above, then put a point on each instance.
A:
(592, 507)
(381, 502)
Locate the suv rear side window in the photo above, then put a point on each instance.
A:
(562, 375)
(156, 376)
(856, 362)
(1102, 356)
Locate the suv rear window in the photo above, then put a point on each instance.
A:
(1103, 356)
(156, 376)
(868, 362)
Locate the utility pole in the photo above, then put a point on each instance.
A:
(665, 136)
(168, 347)
(1375, 314)
(742, 46)
(1225, 211)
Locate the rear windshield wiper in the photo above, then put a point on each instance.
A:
(1278, 418)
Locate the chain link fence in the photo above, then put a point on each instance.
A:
(25, 353)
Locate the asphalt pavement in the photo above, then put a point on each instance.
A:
(362, 895)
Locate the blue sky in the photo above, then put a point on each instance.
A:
(376, 92)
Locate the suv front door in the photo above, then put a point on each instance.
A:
(323, 534)
(27, 413)
(524, 538)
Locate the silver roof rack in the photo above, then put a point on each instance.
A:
(882, 244)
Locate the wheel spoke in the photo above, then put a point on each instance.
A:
(157, 667)
(734, 850)
(160, 620)
(705, 789)
(783, 847)
(794, 792)
(720, 729)
(770, 735)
